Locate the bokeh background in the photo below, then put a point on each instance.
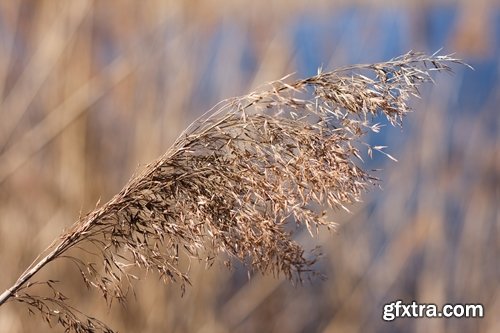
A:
(90, 91)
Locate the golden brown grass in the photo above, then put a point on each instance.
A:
(112, 97)
(238, 181)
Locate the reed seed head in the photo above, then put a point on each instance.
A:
(240, 181)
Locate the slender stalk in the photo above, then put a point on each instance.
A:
(29, 274)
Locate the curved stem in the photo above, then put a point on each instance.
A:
(32, 271)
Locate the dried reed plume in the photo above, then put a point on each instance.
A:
(241, 180)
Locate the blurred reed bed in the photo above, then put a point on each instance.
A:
(91, 90)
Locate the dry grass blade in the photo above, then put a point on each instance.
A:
(239, 181)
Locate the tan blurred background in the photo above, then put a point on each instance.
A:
(92, 90)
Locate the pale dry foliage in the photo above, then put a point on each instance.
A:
(240, 181)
